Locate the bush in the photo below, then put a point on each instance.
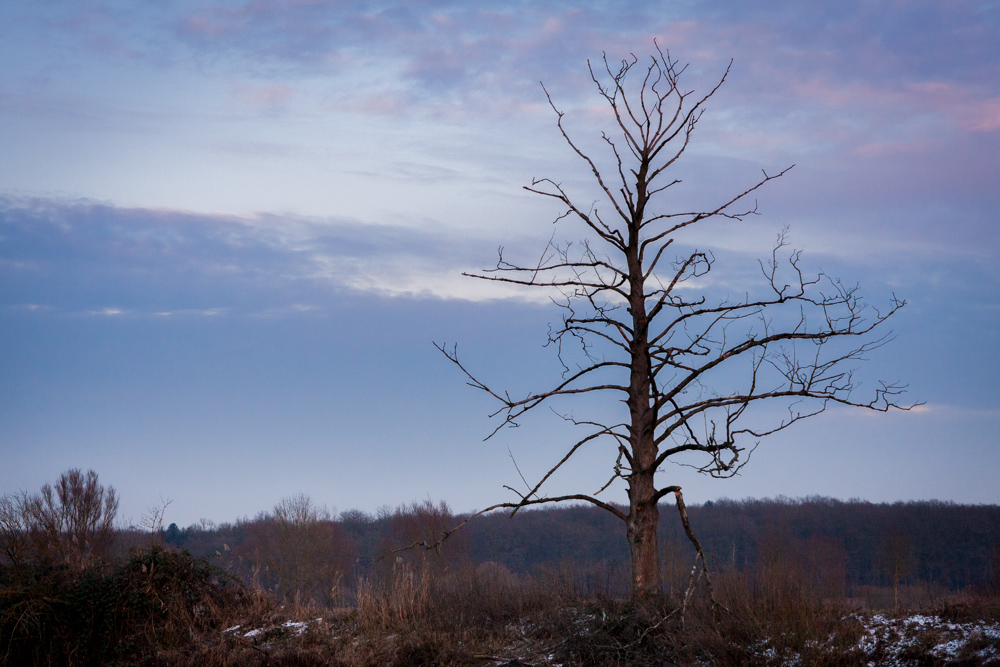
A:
(72, 523)
(112, 615)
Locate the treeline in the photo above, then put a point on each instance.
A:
(955, 546)
(866, 544)
(300, 550)
(837, 548)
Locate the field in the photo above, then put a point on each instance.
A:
(165, 607)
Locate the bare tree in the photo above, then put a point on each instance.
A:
(896, 559)
(73, 523)
(15, 529)
(299, 550)
(691, 368)
(421, 524)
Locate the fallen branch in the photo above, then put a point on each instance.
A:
(700, 555)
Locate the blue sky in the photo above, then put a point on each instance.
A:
(231, 231)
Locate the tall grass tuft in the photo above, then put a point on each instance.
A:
(396, 605)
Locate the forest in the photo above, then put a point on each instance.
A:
(844, 547)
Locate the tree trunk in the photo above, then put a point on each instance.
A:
(644, 516)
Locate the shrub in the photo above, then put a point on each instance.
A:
(101, 615)
(72, 523)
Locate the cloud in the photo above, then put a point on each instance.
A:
(28, 307)
(165, 263)
(891, 110)
(448, 41)
(267, 96)
(443, 51)
(831, 76)
(956, 411)
(209, 312)
(416, 277)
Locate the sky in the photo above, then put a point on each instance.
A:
(232, 231)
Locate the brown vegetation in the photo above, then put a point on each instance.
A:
(789, 601)
(71, 524)
(296, 551)
(163, 608)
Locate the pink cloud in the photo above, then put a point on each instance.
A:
(960, 104)
(386, 102)
(271, 95)
(886, 148)
(203, 27)
(986, 117)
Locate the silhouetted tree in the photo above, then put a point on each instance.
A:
(174, 536)
(690, 368)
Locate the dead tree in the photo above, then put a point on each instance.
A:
(691, 368)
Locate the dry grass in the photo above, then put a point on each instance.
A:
(476, 615)
(770, 622)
